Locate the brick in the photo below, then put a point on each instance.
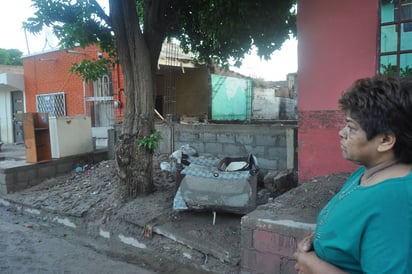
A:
(246, 239)
(257, 262)
(268, 263)
(247, 258)
(287, 266)
(274, 243)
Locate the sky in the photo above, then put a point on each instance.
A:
(14, 12)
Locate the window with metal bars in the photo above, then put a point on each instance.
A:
(99, 102)
(52, 103)
(396, 38)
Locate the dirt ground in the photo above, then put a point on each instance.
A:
(91, 194)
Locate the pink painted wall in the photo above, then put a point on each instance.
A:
(337, 44)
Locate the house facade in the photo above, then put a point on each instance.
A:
(184, 91)
(339, 42)
(12, 104)
(50, 87)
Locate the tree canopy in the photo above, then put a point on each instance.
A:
(214, 30)
(11, 57)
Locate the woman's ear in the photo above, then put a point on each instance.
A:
(386, 142)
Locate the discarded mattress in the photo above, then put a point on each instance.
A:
(227, 185)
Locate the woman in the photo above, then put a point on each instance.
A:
(367, 226)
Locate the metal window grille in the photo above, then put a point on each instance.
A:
(99, 102)
(395, 38)
(52, 103)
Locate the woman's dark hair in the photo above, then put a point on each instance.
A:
(382, 104)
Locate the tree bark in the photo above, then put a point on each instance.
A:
(134, 164)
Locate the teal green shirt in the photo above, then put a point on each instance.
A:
(368, 229)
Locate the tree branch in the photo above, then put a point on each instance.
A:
(100, 12)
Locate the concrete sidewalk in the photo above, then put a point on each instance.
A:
(169, 240)
(11, 151)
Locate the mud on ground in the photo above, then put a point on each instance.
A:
(91, 194)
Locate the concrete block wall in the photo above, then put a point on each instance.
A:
(269, 241)
(273, 144)
(19, 175)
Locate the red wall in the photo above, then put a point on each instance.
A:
(48, 72)
(337, 43)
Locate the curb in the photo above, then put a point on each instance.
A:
(125, 235)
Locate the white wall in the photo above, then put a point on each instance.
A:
(267, 106)
(8, 82)
(6, 126)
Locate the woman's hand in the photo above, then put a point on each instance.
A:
(306, 244)
(304, 255)
(307, 262)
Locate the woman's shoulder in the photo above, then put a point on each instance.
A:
(394, 191)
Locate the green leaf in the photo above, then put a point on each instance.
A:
(150, 142)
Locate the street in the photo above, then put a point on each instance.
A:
(29, 247)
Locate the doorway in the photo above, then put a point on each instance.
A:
(18, 110)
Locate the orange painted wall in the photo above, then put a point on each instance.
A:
(337, 43)
(48, 72)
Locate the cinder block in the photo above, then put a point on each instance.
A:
(214, 148)
(6, 178)
(46, 171)
(3, 189)
(225, 138)
(209, 137)
(25, 173)
(64, 167)
(265, 140)
(276, 152)
(258, 151)
(30, 183)
(244, 139)
(188, 137)
(233, 150)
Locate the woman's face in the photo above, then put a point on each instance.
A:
(354, 144)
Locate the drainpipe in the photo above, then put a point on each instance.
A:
(84, 97)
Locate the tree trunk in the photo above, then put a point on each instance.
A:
(134, 164)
